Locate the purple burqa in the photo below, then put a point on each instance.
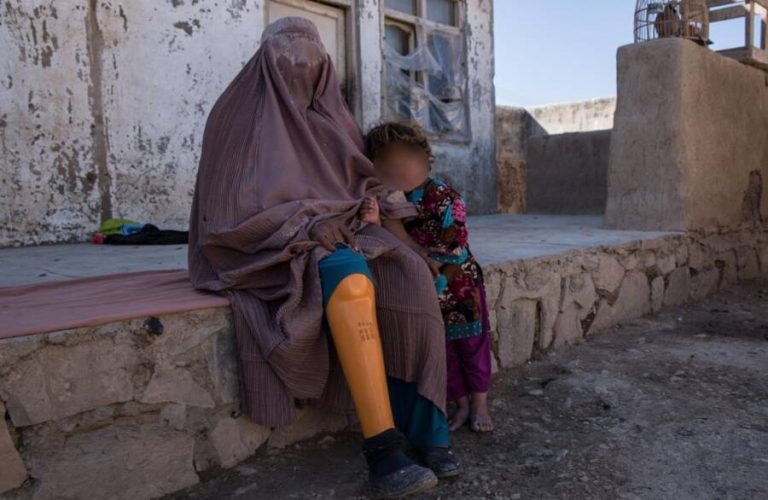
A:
(282, 153)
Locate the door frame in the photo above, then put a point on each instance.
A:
(352, 35)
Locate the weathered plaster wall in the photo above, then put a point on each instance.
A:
(103, 104)
(690, 145)
(567, 173)
(512, 133)
(517, 129)
(162, 66)
(471, 167)
(122, 411)
(370, 67)
(51, 183)
(582, 116)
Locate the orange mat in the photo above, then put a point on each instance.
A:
(87, 302)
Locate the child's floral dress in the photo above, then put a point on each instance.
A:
(441, 229)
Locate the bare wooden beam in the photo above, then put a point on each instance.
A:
(718, 3)
(762, 11)
(727, 13)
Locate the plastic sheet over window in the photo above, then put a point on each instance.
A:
(428, 84)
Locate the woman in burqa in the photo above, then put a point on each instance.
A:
(323, 305)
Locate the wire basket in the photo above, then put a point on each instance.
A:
(672, 19)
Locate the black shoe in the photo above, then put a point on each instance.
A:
(442, 461)
(391, 473)
(409, 480)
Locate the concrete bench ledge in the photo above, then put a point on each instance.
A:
(117, 411)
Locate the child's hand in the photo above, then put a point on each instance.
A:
(370, 212)
(434, 266)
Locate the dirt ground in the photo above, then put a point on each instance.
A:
(673, 406)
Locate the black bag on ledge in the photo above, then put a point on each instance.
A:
(150, 235)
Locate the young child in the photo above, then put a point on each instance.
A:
(403, 159)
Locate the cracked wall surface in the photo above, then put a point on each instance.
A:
(50, 182)
(103, 105)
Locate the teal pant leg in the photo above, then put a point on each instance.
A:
(337, 266)
(415, 416)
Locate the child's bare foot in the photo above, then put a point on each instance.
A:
(480, 419)
(461, 416)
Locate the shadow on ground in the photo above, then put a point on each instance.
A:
(674, 406)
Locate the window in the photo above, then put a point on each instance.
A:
(442, 11)
(424, 65)
(401, 37)
(407, 6)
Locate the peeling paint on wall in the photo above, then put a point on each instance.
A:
(46, 151)
(471, 168)
(157, 101)
(96, 97)
(104, 102)
(103, 105)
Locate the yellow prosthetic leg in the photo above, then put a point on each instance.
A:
(351, 314)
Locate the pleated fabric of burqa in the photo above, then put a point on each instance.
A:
(282, 153)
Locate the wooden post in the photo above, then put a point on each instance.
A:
(762, 11)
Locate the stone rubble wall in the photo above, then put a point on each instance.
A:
(118, 411)
(543, 303)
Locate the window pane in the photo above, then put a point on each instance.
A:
(441, 11)
(398, 39)
(407, 6)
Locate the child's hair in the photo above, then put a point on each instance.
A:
(387, 135)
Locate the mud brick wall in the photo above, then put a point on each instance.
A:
(567, 173)
(690, 145)
(548, 155)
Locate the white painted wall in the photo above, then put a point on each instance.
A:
(103, 104)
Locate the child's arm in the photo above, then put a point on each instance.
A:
(396, 227)
(370, 211)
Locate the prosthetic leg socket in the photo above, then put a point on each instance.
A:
(351, 314)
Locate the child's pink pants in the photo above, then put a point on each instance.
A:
(469, 361)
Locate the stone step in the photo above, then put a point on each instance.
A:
(120, 411)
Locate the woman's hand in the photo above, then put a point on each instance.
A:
(370, 211)
(332, 232)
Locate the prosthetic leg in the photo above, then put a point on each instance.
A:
(351, 313)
